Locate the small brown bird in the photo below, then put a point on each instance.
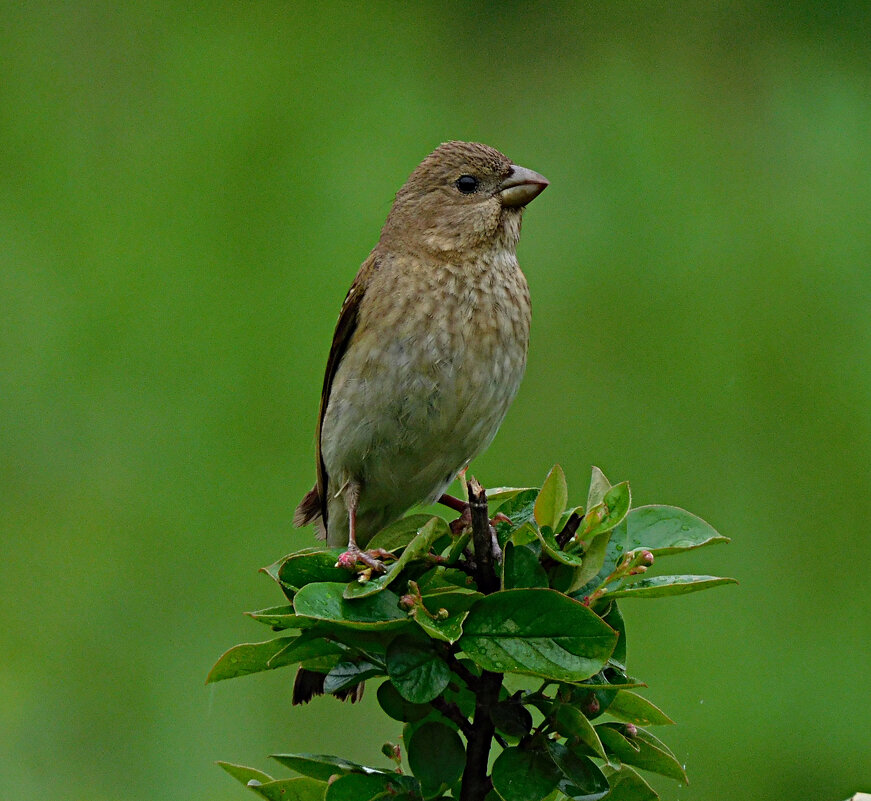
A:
(429, 349)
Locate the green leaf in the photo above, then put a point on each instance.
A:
(614, 619)
(608, 513)
(349, 674)
(456, 603)
(599, 485)
(367, 787)
(502, 494)
(309, 645)
(594, 558)
(250, 657)
(300, 569)
(570, 722)
(321, 766)
(290, 790)
(245, 775)
(551, 548)
(665, 530)
(416, 670)
(434, 528)
(397, 535)
(436, 757)
(325, 601)
(520, 509)
(662, 586)
(643, 750)
(634, 708)
(397, 707)
(539, 632)
(521, 568)
(552, 499)
(627, 785)
(511, 718)
(521, 774)
(445, 579)
(280, 617)
(582, 779)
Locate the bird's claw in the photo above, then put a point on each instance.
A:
(370, 559)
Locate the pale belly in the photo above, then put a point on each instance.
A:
(404, 421)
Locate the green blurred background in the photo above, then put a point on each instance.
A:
(185, 195)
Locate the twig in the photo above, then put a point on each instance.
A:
(488, 581)
(452, 712)
(569, 529)
(476, 783)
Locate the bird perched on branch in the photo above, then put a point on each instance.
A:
(429, 348)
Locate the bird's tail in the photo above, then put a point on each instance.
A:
(309, 511)
(309, 683)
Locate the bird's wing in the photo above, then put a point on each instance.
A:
(345, 328)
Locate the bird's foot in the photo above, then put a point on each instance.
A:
(371, 559)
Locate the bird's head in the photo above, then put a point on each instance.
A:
(464, 196)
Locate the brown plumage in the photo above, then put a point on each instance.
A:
(430, 345)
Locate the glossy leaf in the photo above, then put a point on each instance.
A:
(539, 632)
(455, 603)
(245, 775)
(371, 786)
(397, 535)
(614, 619)
(300, 569)
(321, 766)
(307, 646)
(397, 707)
(511, 718)
(665, 530)
(582, 779)
(416, 670)
(599, 485)
(551, 548)
(436, 757)
(608, 513)
(250, 657)
(521, 774)
(419, 546)
(552, 499)
(502, 494)
(521, 568)
(634, 708)
(662, 586)
(627, 785)
(594, 559)
(280, 617)
(290, 790)
(349, 674)
(520, 509)
(570, 722)
(643, 750)
(325, 601)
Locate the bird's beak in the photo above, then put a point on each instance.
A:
(521, 187)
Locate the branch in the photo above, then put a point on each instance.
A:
(452, 712)
(476, 783)
(482, 538)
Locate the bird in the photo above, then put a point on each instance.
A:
(429, 349)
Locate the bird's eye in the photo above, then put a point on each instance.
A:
(467, 184)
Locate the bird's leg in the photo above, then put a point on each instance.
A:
(354, 555)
